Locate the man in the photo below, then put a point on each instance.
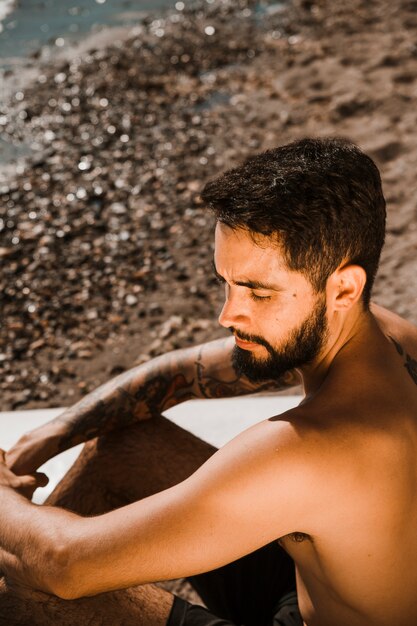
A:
(329, 485)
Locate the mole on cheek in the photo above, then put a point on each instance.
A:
(294, 295)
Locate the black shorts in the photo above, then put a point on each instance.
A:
(257, 590)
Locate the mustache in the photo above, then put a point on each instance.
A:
(251, 338)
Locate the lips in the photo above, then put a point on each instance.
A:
(246, 345)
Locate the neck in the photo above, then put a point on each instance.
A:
(344, 331)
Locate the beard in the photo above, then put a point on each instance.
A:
(302, 347)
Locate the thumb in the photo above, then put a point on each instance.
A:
(27, 481)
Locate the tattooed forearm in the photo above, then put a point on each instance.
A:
(146, 391)
(133, 396)
(93, 415)
(207, 385)
(410, 363)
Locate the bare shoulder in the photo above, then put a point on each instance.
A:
(278, 460)
(392, 325)
(402, 334)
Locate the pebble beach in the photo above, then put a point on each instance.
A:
(105, 245)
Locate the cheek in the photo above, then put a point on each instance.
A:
(285, 310)
(284, 319)
(275, 322)
(296, 306)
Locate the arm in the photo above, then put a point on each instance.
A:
(25, 540)
(31, 545)
(204, 371)
(250, 492)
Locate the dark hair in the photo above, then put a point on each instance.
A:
(320, 199)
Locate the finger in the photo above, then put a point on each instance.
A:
(26, 487)
(41, 479)
(15, 464)
(33, 481)
(2, 456)
(27, 482)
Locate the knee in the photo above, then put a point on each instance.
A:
(20, 606)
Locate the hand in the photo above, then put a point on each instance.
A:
(25, 485)
(31, 451)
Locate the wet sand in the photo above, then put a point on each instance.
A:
(106, 248)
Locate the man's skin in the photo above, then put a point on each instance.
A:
(333, 479)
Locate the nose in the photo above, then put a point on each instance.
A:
(233, 311)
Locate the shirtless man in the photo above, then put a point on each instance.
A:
(331, 483)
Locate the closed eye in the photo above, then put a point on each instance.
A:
(255, 297)
(221, 281)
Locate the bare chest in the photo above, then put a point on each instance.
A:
(355, 567)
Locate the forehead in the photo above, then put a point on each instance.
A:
(237, 250)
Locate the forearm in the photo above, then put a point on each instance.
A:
(204, 371)
(138, 394)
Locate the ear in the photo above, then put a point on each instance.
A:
(345, 287)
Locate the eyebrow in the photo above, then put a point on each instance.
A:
(251, 284)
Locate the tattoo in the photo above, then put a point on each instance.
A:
(209, 386)
(161, 392)
(148, 390)
(212, 387)
(122, 402)
(410, 363)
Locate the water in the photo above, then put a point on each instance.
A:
(40, 28)
(26, 26)
(30, 24)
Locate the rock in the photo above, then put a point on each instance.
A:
(173, 323)
(103, 234)
(386, 150)
(5, 252)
